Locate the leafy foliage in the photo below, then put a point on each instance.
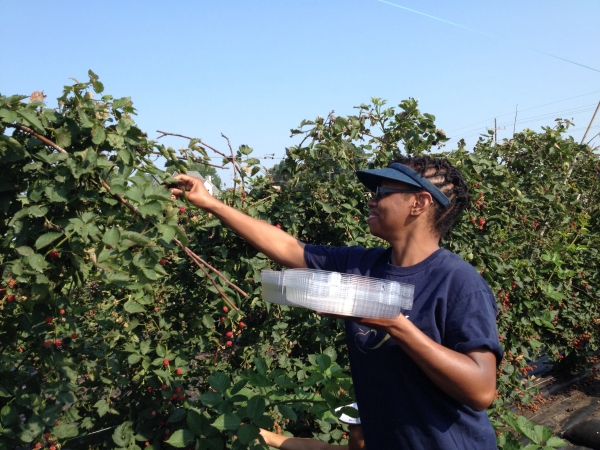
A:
(115, 334)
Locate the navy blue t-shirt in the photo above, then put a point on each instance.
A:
(399, 406)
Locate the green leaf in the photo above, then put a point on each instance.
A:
(134, 358)
(177, 415)
(65, 430)
(150, 274)
(145, 347)
(208, 321)
(9, 415)
(98, 86)
(111, 237)
(227, 421)
(62, 137)
(25, 251)
(312, 379)
(123, 435)
(98, 135)
(326, 207)
(37, 262)
(556, 442)
(219, 382)
(247, 433)
(136, 238)
(131, 306)
(255, 407)
(47, 239)
(32, 120)
(181, 438)
(210, 398)
(194, 422)
(287, 412)
(32, 429)
(37, 211)
(324, 362)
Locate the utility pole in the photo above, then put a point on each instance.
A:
(591, 122)
(495, 132)
(515, 124)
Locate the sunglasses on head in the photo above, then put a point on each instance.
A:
(383, 191)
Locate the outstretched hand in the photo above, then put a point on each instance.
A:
(194, 189)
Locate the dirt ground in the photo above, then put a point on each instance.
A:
(567, 402)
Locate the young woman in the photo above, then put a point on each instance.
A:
(424, 382)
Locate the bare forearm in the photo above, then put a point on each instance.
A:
(469, 378)
(273, 242)
(292, 443)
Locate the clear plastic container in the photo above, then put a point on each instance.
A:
(273, 290)
(343, 294)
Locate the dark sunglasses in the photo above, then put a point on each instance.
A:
(383, 191)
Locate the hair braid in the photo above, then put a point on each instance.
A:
(447, 179)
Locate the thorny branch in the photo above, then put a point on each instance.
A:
(199, 261)
(190, 253)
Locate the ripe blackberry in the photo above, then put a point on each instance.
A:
(191, 214)
(58, 348)
(180, 221)
(67, 340)
(94, 287)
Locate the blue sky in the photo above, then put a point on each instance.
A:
(254, 69)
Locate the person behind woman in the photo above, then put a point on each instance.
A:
(424, 382)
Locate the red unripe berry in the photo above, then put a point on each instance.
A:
(178, 371)
(153, 413)
(174, 397)
(58, 342)
(149, 389)
(166, 362)
(355, 218)
(228, 343)
(162, 262)
(49, 319)
(62, 311)
(53, 254)
(229, 334)
(182, 209)
(472, 219)
(278, 226)
(10, 298)
(178, 390)
(11, 283)
(225, 309)
(476, 185)
(242, 324)
(481, 221)
(181, 397)
(163, 387)
(47, 344)
(222, 318)
(74, 336)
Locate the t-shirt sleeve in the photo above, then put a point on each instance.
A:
(471, 323)
(326, 258)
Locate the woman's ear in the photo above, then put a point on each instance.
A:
(423, 201)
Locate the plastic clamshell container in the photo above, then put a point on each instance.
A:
(273, 290)
(338, 293)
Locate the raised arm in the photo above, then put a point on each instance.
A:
(273, 242)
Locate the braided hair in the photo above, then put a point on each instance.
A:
(447, 179)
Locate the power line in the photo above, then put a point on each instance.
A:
(486, 34)
(523, 110)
